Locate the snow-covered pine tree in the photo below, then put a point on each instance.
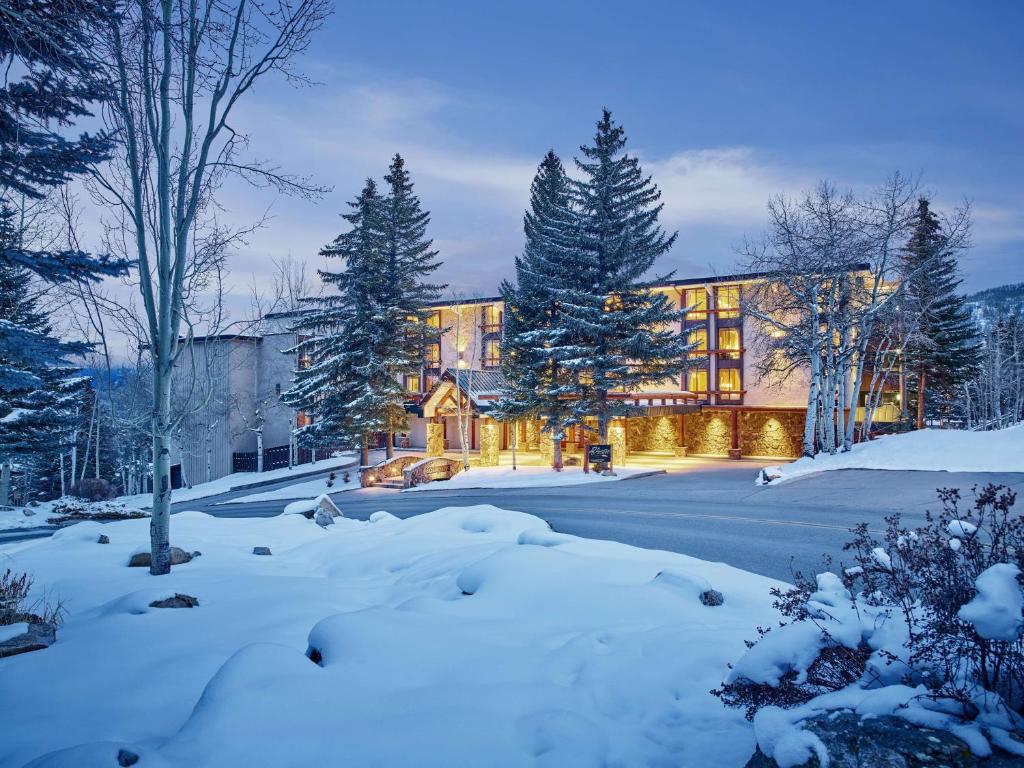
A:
(50, 42)
(38, 393)
(626, 335)
(534, 340)
(367, 337)
(409, 261)
(947, 353)
(346, 389)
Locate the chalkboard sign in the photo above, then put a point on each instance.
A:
(599, 454)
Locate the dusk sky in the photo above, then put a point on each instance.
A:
(726, 104)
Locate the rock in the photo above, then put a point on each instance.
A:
(178, 601)
(126, 758)
(712, 597)
(323, 518)
(103, 539)
(261, 550)
(40, 634)
(887, 742)
(178, 556)
(326, 504)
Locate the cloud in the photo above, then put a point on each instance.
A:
(721, 186)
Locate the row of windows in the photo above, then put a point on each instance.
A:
(728, 347)
(727, 302)
(730, 383)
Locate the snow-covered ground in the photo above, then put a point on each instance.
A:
(306, 490)
(48, 512)
(240, 479)
(527, 477)
(950, 450)
(465, 637)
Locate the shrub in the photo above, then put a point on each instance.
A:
(939, 606)
(94, 489)
(14, 605)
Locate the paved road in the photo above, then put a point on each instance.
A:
(709, 509)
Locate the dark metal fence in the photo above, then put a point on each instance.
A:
(277, 457)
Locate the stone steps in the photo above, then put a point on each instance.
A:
(397, 484)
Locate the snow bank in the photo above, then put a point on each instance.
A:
(241, 479)
(469, 636)
(301, 490)
(527, 477)
(948, 450)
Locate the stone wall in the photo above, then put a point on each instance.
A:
(708, 433)
(658, 434)
(774, 434)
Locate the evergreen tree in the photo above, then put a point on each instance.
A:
(38, 394)
(409, 260)
(50, 42)
(365, 338)
(534, 340)
(947, 353)
(626, 335)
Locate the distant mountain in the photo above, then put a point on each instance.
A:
(993, 304)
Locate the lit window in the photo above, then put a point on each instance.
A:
(302, 419)
(492, 352)
(432, 356)
(699, 339)
(697, 298)
(698, 380)
(729, 343)
(491, 317)
(727, 301)
(412, 383)
(729, 383)
(434, 319)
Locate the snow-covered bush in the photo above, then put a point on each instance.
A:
(936, 614)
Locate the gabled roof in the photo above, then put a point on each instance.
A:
(487, 386)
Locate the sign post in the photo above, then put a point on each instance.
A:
(600, 453)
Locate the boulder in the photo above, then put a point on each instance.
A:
(125, 758)
(712, 597)
(323, 518)
(887, 742)
(143, 560)
(178, 601)
(326, 504)
(261, 550)
(103, 539)
(38, 635)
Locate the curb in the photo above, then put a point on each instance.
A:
(298, 476)
(637, 476)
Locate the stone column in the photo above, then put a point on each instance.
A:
(617, 440)
(435, 439)
(546, 447)
(533, 436)
(490, 441)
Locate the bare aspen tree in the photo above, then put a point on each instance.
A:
(179, 70)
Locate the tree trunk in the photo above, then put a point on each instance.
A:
(63, 488)
(922, 387)
(390, 447)
(810, 420)
(556, 452)
(259, 450)
(97, 475)
(5, 484)
(209, 453)
(160, 522)
(364, 451)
